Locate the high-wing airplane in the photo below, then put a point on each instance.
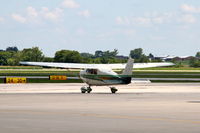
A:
(101, 74)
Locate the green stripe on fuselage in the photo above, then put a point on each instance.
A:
(105, 77)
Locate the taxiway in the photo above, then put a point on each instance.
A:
(61, 108)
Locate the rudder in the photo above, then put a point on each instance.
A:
(129, 67)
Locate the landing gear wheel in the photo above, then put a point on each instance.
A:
(89, 89)
(83, 89)
(113, 89)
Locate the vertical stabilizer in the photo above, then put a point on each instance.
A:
(129, 67)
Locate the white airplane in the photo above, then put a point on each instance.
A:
(101, 74)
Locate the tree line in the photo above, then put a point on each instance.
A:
(12, 56)
(195, 62)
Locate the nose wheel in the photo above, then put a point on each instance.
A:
(86, 89)
(113, 89)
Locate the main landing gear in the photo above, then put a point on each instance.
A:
(86, 89)
(113, 89)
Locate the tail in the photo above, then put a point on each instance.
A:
(129, 67)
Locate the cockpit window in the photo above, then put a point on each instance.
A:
(91, 71)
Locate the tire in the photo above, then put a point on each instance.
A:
(83, 89)
(89, 89)
(113, 89)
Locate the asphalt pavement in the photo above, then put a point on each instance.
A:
(61, 108)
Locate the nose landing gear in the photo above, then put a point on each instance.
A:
(113, 89)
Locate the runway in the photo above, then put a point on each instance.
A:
(61, 108)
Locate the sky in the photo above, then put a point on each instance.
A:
(161, 27)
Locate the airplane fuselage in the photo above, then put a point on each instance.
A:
(102, 77)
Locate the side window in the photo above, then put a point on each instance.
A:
(95, 71)
(91, 71)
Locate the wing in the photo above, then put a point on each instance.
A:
(62, 65)
(105, 66)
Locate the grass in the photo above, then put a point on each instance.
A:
(169, 68)
(54, 81)
(166, 74)
(135, 74)
(20, 67)
(76, 73)
(138, 73)
(49, 81)
(174, 81)
(70, 74)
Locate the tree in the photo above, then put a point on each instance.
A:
(198, 54)
(136, 53)
(48, 59)
(96, 61)
(110, 54)
(151, 56)
(68, 56)
(144, 58)
(194, 62)
(32, 54)
(14, 59)
(107, 53)
(87, 55)
(9, 58)
(4, 57)
(114, 53)
(14, 48)
(98, 53)
(104, 60)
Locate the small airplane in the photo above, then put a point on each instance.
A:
(101, 74)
